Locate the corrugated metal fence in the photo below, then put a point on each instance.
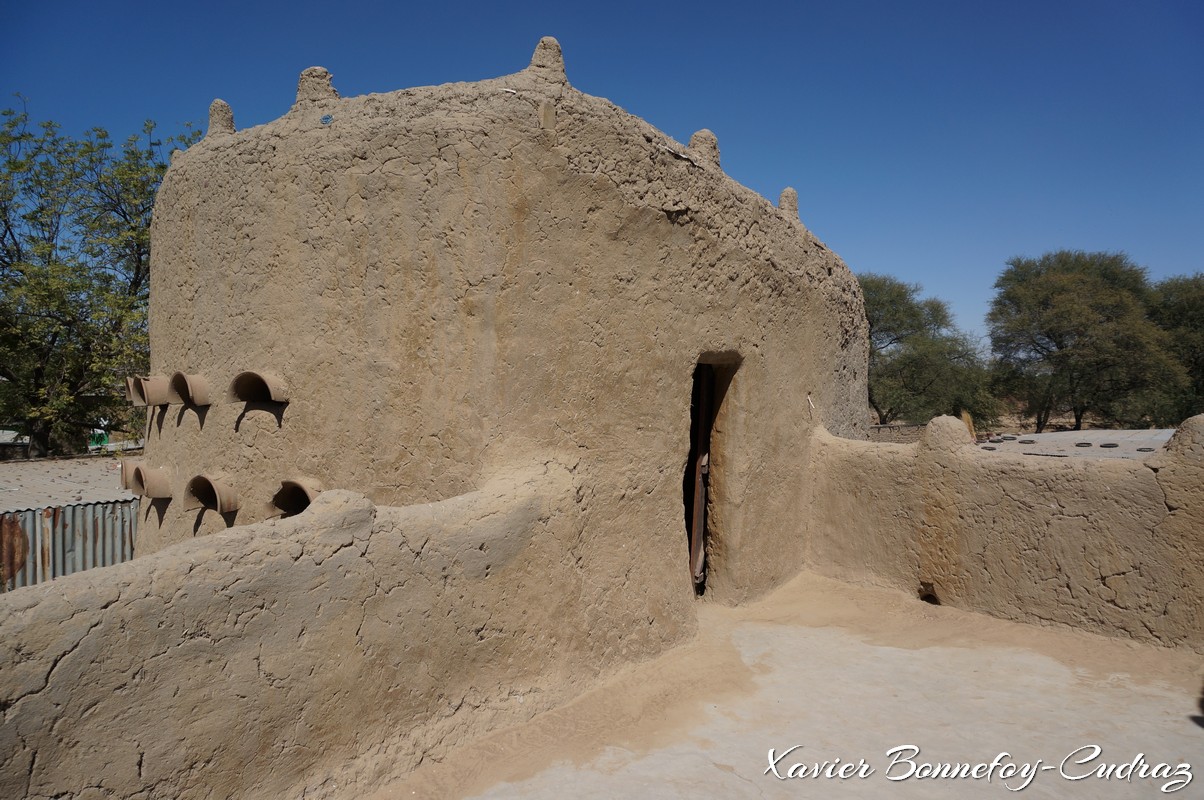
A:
(41, 544)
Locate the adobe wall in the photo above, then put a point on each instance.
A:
(452, 284)
(455, 278)
(897, 434)
(242, 663)
(1108, 545)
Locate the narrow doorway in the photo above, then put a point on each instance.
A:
(711, 381)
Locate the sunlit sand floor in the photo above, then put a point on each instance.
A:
(854, 673)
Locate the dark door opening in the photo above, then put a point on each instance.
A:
(703, 485)
(694, 483)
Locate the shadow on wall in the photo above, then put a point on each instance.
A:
(1199, 720)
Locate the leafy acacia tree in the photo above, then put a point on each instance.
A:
(920, 364)
(1071, 333)
(74, 275)
(1177, 306)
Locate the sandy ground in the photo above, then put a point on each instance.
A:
(59, 482)
(851, 673)
(1083, 444)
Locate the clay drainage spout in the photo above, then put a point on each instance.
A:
(128, 465)
(209, 493)
(192, 390)
(258, 387)
(295, 495)
(150, 482)
(153, 390)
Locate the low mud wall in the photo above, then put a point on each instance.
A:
(1108, 545)
(342, 641)
(898, 434)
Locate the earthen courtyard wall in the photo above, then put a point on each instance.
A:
(1112, 546)
(247, 663)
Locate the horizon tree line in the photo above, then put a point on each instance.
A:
(1074, 333)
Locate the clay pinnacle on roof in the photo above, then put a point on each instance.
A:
(704, 146)
(314, 85)
(788, 203)
(548, 60)
(221, 118)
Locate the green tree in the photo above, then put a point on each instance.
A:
(1177, 306)
(74, 275)
(1071, 334)
(920, 364)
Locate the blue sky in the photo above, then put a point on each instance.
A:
(931, 141)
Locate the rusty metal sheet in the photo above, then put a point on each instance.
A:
(47, 543)
(14, 547)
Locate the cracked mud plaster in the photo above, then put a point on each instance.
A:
(243, 663)
(1110, 546)
(455, 282)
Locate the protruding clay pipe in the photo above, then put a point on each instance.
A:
(258, 387)
(296, 494)
(204, 491)
(312, 487)
(150, 482)
(547, 115)
(191, 390)
(128, 465)
(132, 393)
(153, 390)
